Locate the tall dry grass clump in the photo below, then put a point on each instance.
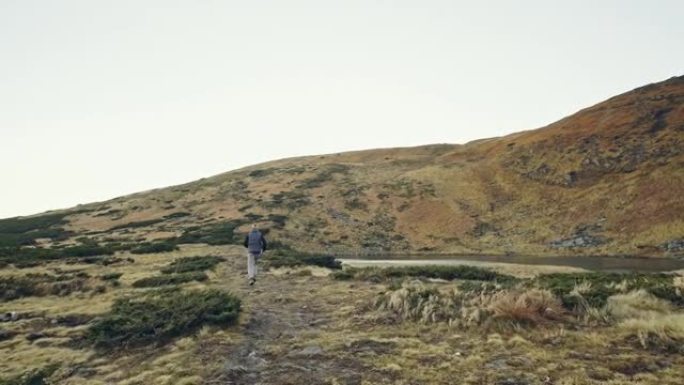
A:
(636, 304)
(416, 302)
(665, 332)
(533, 306)
(648, 319)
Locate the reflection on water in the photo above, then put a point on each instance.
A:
(613, 264)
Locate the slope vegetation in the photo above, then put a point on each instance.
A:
(606, 180)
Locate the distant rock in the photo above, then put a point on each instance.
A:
(10, 316)
(673, 246)
(309, 351)
(583, 237)
(582, 240)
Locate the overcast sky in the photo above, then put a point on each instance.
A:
(104, 98)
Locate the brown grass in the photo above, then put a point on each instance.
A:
(533, 306)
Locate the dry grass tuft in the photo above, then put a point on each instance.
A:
(417, 302)
(664, 332)
(636, 304)
(532, 306)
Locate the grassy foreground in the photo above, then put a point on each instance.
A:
(92, 324)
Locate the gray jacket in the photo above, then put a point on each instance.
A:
(255, 242)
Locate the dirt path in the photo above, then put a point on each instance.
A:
(283, 317)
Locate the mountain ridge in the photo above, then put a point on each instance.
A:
(602, 181)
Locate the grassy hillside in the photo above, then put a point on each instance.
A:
(138, 321)
(150, 288)
(606, 180)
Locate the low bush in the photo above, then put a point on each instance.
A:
(222, 233)
(188, 264)
(38, 285)
(162, 315)
(326, 174)
(16, 232)
(289, 199)
(343, 275)
(170, 279)
(38, 376)
(154, 247)
(175, 215)
(427, 271)
(32, 256)
(593, 289)
(291, 258)
(478, 287)
(278, 220)
(136, 224)
(111, 276)
(261, 172)
(20, 225)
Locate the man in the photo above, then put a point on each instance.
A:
(256, 245)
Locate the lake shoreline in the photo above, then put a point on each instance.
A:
(605, 264)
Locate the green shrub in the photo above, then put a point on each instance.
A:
(427, 271)
(108, 212)
(478, 287)
(290, 199)
(291, 258)
(278, 220)
(222, 233)
(325, 175)
(154, 247)
(162, 315)
(111, 276)
(594, 288)
(38, 285)
(175, 215)
(188, 264)
(343, 275)
(135, 224)
(16, 232)
(171, 279)
(22, 225)
(262, 172)
(31, 256)
(32, 377)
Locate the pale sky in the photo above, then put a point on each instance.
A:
(104, 98)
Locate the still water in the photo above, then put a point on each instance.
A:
(609, 264)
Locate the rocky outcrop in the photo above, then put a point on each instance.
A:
(583, 238)
(673, 246)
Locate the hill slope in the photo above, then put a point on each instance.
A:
(606, 180)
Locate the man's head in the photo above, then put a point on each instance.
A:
(254, 227)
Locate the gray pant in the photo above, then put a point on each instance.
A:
(251, 263)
